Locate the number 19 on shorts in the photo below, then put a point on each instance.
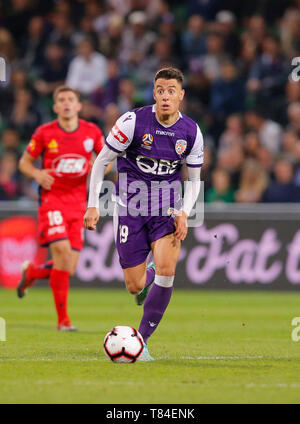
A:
(124, 231)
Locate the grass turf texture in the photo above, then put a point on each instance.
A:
(211, 347)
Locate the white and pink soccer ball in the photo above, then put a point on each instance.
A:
(123, 344)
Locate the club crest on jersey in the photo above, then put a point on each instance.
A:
(180, 146)
(88, 145)
(147, 141)
(53, 146)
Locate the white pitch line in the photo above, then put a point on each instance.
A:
(221, 358)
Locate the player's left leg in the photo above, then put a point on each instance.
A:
(165, 252)
(64, 263)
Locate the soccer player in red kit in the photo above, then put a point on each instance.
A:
(66, 146)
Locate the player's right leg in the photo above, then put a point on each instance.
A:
(30, 273)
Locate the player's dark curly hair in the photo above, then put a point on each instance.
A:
(170, 73)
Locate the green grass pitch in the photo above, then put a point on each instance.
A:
(211, 347)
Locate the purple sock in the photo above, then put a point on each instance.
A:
(155, 305)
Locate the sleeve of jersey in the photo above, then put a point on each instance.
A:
(196, 156)
(122, 132)
(97, 176)
(192, 189)
(36, 145)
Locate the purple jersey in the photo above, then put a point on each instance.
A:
(151, 152)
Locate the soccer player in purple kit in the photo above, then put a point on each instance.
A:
(151, 144)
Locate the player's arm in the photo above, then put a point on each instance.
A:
(194, 162)
(117, 142)
(92, 216)
(42, 176)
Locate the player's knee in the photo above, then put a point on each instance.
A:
(62, 255)
(133, 287)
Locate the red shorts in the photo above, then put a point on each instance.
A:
(57, 223)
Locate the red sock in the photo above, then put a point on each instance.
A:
(39, 272)
(59, 283)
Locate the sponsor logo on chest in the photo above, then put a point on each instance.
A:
(71, 165)
(53, 146)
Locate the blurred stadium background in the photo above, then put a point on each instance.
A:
(236, 57)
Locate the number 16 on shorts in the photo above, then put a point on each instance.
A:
(124, 231)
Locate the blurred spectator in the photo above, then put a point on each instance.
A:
(253, 183)
(109, 93)
(126, 100)
(256, 29)
(53, 71)
(20, 13)
(233, 134)
(226, 25)
(265, 158)
(9, 179)
(100, 14)
(221, 190)
(205, 8)
(231, 160)
(10, 141)
(251, 144)
(290, 33)
(25, 115)
(283, 188)
(7, 50)
(161, 57)
(137, 41)
(269, 73)
(293, 112)
(87, 71)
(110, 41)
(290, 144)
(227, 92)
(112, 113)
(63, 31)
(193, 39)
(270, 132)
(211, 61)
(86, 30)
(33, 45)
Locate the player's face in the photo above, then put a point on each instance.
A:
(67, 105)
(168, 94)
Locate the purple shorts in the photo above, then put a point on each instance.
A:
(134, 235)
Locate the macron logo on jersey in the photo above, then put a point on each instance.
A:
(118, 135)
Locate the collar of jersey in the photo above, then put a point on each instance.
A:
(68, 132)
(166, 126)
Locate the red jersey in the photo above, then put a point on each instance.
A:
(69, 156)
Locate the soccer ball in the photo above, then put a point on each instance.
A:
(123, 344)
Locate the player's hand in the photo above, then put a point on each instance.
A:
(91, 218)
(44, 178)
(181, 226)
